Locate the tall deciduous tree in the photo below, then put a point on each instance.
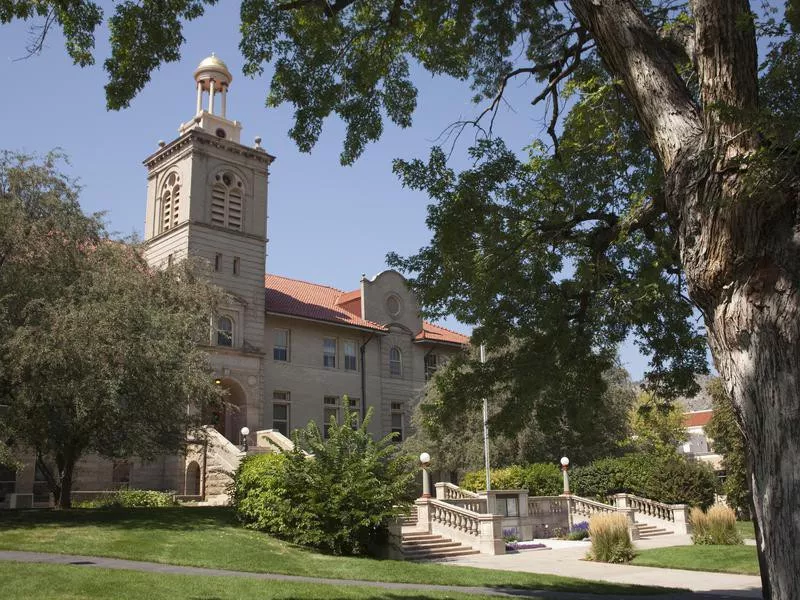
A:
(99, 353)
(656, 425)
(684, 196)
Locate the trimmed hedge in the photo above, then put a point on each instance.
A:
(671, 479)
(129, 499)
(540, 479)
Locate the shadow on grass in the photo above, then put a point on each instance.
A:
(174, 518)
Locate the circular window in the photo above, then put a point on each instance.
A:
(220, 132)
(226, 179)
(393, 305)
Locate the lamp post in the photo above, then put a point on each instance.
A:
(564, 467)
(245, 431)
(424, 461)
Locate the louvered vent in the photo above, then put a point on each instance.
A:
(166, 215)
(218, 195)
(235, 209)
(176, 208)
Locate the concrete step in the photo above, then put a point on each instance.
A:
(439, 554)
(421, 535)
(648, 531)
(412, 546)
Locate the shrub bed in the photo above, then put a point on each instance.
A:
(540, 479)
(339, 500)
(129, 499)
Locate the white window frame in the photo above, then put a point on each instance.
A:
(330, 404)
(275, 347)
(282, 398)
(398, 372)
(218, 331)
(326, 355)
(354, 355)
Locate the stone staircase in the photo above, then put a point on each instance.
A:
(647, 531)
(427, 546)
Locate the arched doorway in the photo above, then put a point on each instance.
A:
(230, 419)
(192, 484)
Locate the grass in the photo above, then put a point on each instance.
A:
(723, 559)
(746, 530)
(209, 537)
(62, 582)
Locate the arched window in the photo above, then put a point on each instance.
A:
(224, 331)
(170, 202)
(226, 200)
(395, 362)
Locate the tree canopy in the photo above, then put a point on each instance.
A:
(668, 182)
(100, 353)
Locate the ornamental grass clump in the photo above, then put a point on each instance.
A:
(611, 541)
(717, 526)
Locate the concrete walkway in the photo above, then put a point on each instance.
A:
(566, 558)
(130, 565)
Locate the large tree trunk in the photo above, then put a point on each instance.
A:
(739, 240)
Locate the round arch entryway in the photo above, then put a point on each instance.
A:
(230, 419)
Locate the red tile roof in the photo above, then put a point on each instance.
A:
(698, 418)
(297, 298)
(311, 301)
(437, 333)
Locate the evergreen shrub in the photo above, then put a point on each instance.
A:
(339, 497)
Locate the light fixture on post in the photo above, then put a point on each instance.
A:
(245, 431)
(424, 461)
(564, 467)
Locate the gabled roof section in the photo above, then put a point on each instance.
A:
(296, 298)
(699, 418)
(440, 335)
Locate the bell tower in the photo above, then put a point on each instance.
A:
(207, 200)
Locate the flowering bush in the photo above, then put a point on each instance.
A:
(579, 531)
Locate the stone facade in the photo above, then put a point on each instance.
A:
(287, 351)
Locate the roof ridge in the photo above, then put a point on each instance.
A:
(443, 327)
(330, 287)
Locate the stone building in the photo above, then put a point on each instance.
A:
(287, 351)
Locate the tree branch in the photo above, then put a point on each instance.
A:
(633, 53)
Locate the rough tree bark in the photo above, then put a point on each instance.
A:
(738, 243)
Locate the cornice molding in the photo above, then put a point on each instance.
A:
(201, 137)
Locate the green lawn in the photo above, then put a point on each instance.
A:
(724, 559)
(746, 530)
(62, 582)
(209, 537)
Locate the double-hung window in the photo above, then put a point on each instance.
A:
(350, 358)
(280, 412)
(431, 364)
(397, 421)
(330, 410)
(329, 353)
(280, 344)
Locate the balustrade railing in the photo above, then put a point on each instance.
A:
(449, 491)
(476, 505)
(651, 508)
(547, 505)
(443, 514)
(586, 508)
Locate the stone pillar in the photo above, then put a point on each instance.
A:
(633, 530)
(423, 514)
(621, 500)
(441, 490)
(680, 512)
(491, 540)
(211, 98)
(199, 97)
(224, 99)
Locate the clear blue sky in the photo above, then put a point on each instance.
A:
(327, 223)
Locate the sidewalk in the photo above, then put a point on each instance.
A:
(566, 558)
